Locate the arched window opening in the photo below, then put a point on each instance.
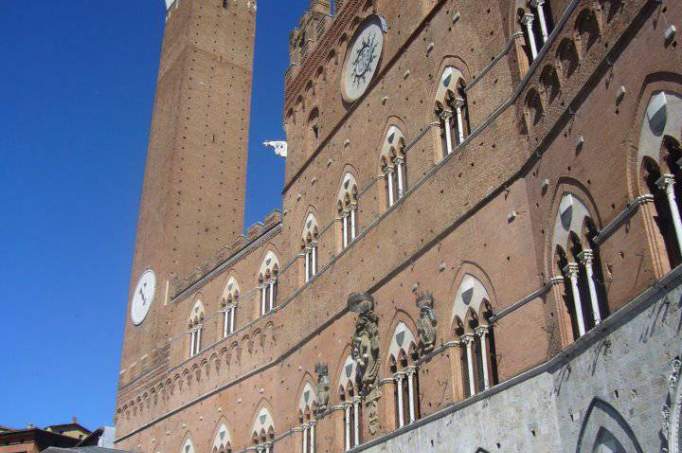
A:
(347, 207)
(264, 433)
(587, 30)
(578, 258)
(188, 446)
(268, 282)
(537, 24)
(226, 3)
(229, 304)
(452, 109)
(351, 402)
(313, 131)
(567, 54)
(403, 360)
(610, 8)
(472, 312)
(222, 443)
(309, 248)
(534, 107)
(550, 84)
(305, 413)
(196, 328)
(394, 165)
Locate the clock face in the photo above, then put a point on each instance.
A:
(362, 59)
(143, 297)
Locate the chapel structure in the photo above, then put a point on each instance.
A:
(479, 245)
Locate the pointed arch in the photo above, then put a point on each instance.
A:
(309, 246)
(222, 440)
(451, 109)
(268, 276)
(604, 427)
(347, 208)
(263, 427)
(188, 446)
(393, 165)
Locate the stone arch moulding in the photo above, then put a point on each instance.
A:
(587, 209)
(604, 429)
(402, 340)
(222, 440)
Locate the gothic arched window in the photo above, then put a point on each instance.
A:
(347, 207)
(309, 241)
(267, 283)
(196, 327)
(452, 109)
(402, 361)
(394, 165)
(536, 20)
(577, 258)
(306, 406)
(351, 402)
(229, 304)
(471, 314)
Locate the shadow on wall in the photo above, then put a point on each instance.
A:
(604, 430)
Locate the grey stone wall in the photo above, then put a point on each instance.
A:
(605, 393)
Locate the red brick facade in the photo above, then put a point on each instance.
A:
(550, 165)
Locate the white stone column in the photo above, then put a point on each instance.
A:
(667, 183)
(459, 108)
(191, 343)
(267, 447)
(469, 341)
(305, 438)
(271, 303)
(262, 299)
(312, 437)
(528, 22)
(314, 259)
(587, 258)
(572, 270)
(353, 219)
(356, 421)
(399, 386)
(400, 169)
(233, 312)
(198, 342)
(306, 257)
(344, 228)
(346, 420)
(410, 393)
(482, 333)
(389, 181)
(445, 119)
(539, 6)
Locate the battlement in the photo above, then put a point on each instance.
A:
(313, 25)
(254, 233)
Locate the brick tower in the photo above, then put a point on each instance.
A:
(195, 178)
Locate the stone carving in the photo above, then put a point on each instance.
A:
(365, 352)
(365, 344)
(322, 388)
(426, 324)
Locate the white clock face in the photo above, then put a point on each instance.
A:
(362, 59)
(143, 297)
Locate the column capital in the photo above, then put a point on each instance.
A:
(400, 375)
(572, 269)
(665, 181)
(586, 257)
(459, 102)
(528, 19)
(537, 3)
(445, 115)
(482, 330)
(467, 339)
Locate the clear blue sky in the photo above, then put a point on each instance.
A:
(76, 91)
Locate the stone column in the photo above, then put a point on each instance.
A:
(353, 218)
(410, 392)
(469, 341)
(528, 22)
(482, 333)
(400, 169)
(571, 270)
(356, 420)
(305, 438)
(401, 413)
(346, 421)
(389, 182)
(262, 299)
(667, 183)
(459, 108)
(539, 6)
(311, 428)
(445, 117)
(587, 258)
(271, 302)
(344, 229)
(314, 259)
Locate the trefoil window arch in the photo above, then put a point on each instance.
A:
(268, 283)
(402, 360)
(309, 246)
(196, 327)
(229, 304)
(351, 401)
(452, 109)
(347, 207)
(394, 165)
